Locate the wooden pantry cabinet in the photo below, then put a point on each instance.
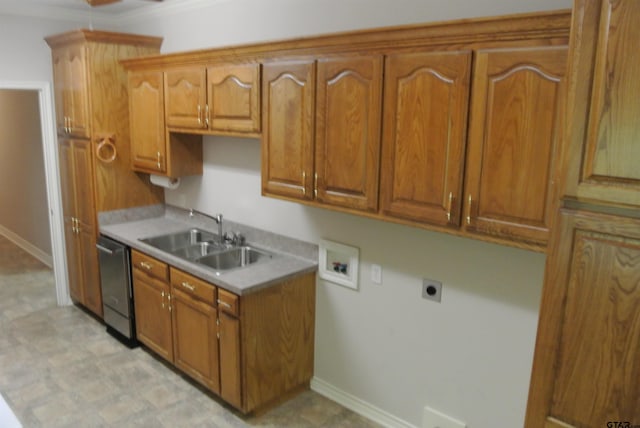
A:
(220, 98)
(80, 222)
(251, 350)
(91, 96)
(586, 369)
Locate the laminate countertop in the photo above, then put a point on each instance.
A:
(291, 257)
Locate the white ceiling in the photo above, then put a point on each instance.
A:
(79, 9)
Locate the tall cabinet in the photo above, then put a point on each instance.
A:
(92, 121)
(586, 370)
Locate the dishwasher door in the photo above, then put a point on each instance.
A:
(115, 281)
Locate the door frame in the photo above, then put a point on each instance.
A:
(54, 204)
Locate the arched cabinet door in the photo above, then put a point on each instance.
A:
(424, 135)
(516, 122)
(348, 117)
(288, 96)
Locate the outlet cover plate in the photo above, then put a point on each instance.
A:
(434, 419)
(431, 290)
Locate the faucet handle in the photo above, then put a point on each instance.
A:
(234, 238)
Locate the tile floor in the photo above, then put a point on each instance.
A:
(59, 368)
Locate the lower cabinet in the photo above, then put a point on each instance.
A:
(251, 350)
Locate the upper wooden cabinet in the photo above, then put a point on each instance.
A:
(222, 98)
(288, 96)
(324, 148)
(425, 114)
(347, 146)
(146, 103)
(71, 90)
(153, 149)
(449, 126)
(604, 136)
(515, 127)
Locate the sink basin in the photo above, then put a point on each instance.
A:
(234, 258)
(177, 241)
(203, 248)
(195, 251)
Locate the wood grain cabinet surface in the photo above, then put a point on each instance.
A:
(146, 111)
(70, 82)
(425, 115)
(91, 99)
(252, 350)
(75, 160)
(288, 132)
(152, 302)
(223, 98)
(515, 127)
(154, 150)
(326, 147)
(604, 150)
(586, 370)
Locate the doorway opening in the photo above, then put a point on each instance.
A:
(50, 157)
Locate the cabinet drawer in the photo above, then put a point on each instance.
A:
(228, 302)
(193, 286)
(149, 265)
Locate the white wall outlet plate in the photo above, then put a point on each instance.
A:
(434, 419)
(376, 274)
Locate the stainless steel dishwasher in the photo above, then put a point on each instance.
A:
(117, 292)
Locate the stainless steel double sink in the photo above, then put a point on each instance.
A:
(204, 248)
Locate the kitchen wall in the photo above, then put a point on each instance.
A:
(23, 195)
(382, 346)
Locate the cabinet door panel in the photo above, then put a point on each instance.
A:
(230, 379)
(425, 118)
(74, 261)
(516, 119)
(348, 131)
(77, 85)
(84, 185)
(59, 88)
(146, 109)
(66, 162)
(185, 97)
(233, 97)
(607, 129)
(195, 342)
(288, 131)
(153, 319)
(586, 368)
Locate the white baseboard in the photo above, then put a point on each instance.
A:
(357, 405)
(36, 252)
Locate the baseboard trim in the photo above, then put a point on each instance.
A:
(358, 405)
(27, 246)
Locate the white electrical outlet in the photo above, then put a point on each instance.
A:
(376, 274)
(434, 419)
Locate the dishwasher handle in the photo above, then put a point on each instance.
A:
(104, 249)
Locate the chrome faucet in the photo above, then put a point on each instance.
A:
(217, 218)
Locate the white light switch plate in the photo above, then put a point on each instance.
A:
(376, 274)
(434, 419)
